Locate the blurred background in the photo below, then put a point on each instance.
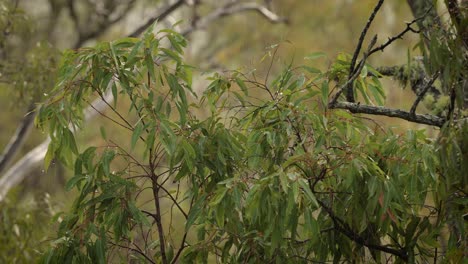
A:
(33, 34)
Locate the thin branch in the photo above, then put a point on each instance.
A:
(101, 28)
(176, 203)
(398, 36)
(182, 246)
(134, 250)
(262, 10)
(423, 92)
(160, 16)
(383, 111)
(85, 36)
(349, 89)
(230, 9)
(346, 230)
(431, 18)
(101, 113)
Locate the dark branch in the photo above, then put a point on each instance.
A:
(346, 230)
(383, 111)
(85, 36)
(422, 93)
(160, 16)
(398, 36)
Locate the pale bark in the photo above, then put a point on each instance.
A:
(17, 140)
(34, 158)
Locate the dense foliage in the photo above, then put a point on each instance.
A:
(272, 164)
(278, 177)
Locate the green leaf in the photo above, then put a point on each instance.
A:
(114, 93)
(70, 140)
(106, 159)
(114, 57)
(324, 90)
(188, 148)
(172, 55)
(134, 52)
(240, 98)
(242, 85)
(100, 248)
(150, 64)
(103, 132)
(364, 72)
(74, 181)
(310, 196)
(195, 212)
(315, 55)
(49, 156)
(218, 197)
(136, 134)
(311, 69)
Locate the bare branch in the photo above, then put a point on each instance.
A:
(398, 36)
(85, 36)
(383, 111)
(230, 9)
(167, 11)
(262, 10)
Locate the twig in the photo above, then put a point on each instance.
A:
(160, 16)
(398, 36)
(134, 250)
(423, 92)
(182, 246)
